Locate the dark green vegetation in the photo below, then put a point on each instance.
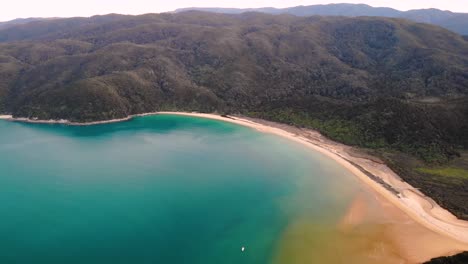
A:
(461, 258)
(392, 86)
(446, 172)
(450, 190)
(457, 22)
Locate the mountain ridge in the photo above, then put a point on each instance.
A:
(21, 21)
(457, 22)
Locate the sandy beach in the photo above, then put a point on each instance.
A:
(419, 245)
(389, 187)
(422, 208)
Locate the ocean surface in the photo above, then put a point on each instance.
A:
(168, 189)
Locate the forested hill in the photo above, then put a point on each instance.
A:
(457, 22)
(364, 81)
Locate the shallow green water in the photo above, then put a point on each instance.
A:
(158, 189)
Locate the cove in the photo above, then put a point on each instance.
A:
(171, 189)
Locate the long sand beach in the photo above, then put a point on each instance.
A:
(448, 234)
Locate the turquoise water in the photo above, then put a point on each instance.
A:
(158, 189)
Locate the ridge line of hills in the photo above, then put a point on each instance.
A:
(457, 22)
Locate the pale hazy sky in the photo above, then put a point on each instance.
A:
(11, 9)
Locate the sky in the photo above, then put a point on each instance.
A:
(11, 9)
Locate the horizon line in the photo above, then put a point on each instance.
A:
(238, 8)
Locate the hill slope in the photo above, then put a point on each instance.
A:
(20, 21)
(457, 22)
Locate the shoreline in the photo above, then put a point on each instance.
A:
(378, 176)
(69, 123)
